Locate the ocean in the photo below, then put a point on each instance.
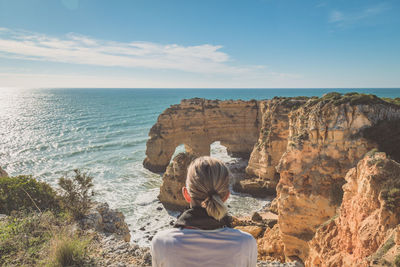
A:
(50, 132)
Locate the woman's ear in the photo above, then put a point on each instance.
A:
(186, 195)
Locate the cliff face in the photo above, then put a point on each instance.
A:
(368, 216)
(271, 144)
(197, 123)
(326, 139)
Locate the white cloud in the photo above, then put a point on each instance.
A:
(342, 19)
(78, 49)
(336, 16)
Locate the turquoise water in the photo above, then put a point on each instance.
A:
(48, 132)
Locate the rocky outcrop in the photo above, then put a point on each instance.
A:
(174, 179)
(304, 146)
(108, 221)
(3, 173)
(327, 137)
(367, 219)
(197, 123)
(110, 239)
(271, 144)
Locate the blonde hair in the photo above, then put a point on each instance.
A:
(207, 182)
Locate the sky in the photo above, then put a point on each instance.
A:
(200, 43)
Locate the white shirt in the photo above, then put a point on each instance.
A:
(192, 247)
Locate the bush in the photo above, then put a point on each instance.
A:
(26, 193)
(392, 198)
(68, 251)
(76, 193)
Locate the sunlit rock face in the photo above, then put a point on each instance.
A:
(368, 216)
(327, 137)
(3, 173)
(174, 179)
(197, 123)
(271, 144)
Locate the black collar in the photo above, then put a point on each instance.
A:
(198, 218)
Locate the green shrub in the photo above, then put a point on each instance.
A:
(392, 198)
(68, 251)
(76, 193)
(26, 193)
(395, 101)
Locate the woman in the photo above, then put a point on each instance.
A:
(201, 235)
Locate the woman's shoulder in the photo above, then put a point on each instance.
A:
(241, 234)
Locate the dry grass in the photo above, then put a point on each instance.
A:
(68, 250)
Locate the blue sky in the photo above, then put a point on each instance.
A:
(200, 43)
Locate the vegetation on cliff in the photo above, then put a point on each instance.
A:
(353, 98)
(38, 228)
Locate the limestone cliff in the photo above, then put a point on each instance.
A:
(272, 142)
(197, 123)
(327, 137)
(368, 216)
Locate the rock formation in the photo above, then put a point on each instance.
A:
(103, 219)
(302, 146)
(327, 137)
(3, 173)
(271, 145)
(173, 180)
(368, 216)
(197, 123)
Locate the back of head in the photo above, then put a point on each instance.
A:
(208, 185)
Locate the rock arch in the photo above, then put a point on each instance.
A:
(197, 123)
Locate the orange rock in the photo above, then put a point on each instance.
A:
(366, 218)
(254, 230)
(270, 146)
(173, 180)
(326, 139)
(270, 246)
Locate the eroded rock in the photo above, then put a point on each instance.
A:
(103, 219)
(197, 123)
(173, 180)
(326, 139)
(272, 143)
(302, 146)
(368, 216)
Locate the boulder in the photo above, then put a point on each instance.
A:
(173, 180)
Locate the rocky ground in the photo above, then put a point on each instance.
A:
(113, 246)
